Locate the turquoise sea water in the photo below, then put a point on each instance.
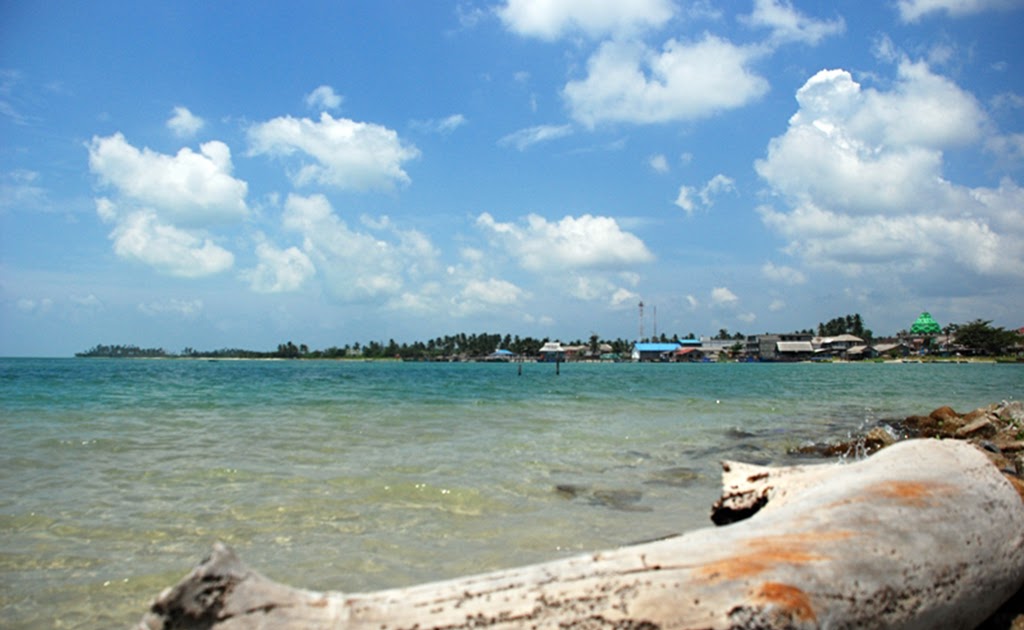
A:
(116, 476)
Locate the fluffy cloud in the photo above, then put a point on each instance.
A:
(323, 98)
(485, 295)
(861, 172)
(722, 296)
(187, 309)
(355, 264)
(184, 123)
(715, 186)
(346, 154)
(279, 270)
(165, 203)
(685, 199)
(551, 19)
(492, 291)
(584, 242)
(526, 138)
(628, 82)
(186, 188)
(623, 298)
(789, 25)
(913, 10)
(141, 236)
(658, 163)
(783, 274)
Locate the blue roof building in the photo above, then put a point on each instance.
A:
(658, 351)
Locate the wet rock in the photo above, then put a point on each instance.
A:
(943, 422)
(875, 439)
(1011, 412)
(612, 498)
(920, 426)
(944, 414)
(980, 427)
(878, 438)
(738, 434)
(570, 490)
(624, 500)
(997, 429)
(675, 476)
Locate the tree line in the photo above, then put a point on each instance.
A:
(978, 336)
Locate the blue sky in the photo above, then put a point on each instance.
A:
(240, 174)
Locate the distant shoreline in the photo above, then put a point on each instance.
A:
(938, 360)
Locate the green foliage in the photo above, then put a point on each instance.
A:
(724, 334)
(119, 352)
(848, 325)
(982, 338)
(978, 337)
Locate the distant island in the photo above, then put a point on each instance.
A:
(974, 338)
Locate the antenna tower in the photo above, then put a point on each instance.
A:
(641, 338)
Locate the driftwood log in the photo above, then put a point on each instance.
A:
(923, 534)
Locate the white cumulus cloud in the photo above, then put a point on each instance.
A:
(345, 154)
(685, 199)
(141, 236)
(722, 296)
(913, 10)
(188, 187)
(783, 274)
(860, 172)
(629, 82)
(355, 264)
(163, 204)
(184, 123)
(580, 242)
(279, 270)
(323, 98)
(551, 19)
(714, 187)
(623, 297)
(480, 295)
(789, 25)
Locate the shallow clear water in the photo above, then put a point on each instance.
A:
(116, 476)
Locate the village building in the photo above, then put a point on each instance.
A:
(836, 347)
(552, 352)
(780, 347)
(663, 351)
(689, 355)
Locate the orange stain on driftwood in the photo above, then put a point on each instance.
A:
(914, 493)
(790, 599)
(1017, 484)
(763, 554)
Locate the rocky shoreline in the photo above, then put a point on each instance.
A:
(997, 430)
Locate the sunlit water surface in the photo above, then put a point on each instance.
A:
(116, 476)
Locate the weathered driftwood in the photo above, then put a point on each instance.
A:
(924, 534)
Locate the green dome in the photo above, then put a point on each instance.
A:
(925, 325)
